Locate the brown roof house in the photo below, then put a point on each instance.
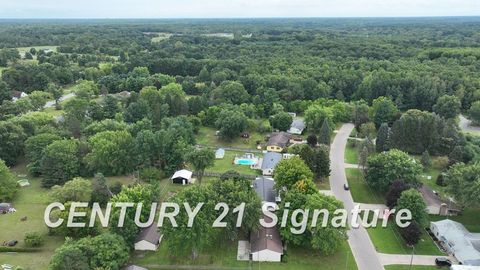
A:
(266, 244)
(436, 205)
(148, 239)
(278, 141)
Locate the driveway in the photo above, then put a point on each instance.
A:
(359, 240)
(466, 125)
(51, 103)
(389, 259)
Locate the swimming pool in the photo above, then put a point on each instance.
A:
(242, 161)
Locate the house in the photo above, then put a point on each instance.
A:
(436, 205)
(266, 244)
(220, 153)
(133, 267)
(278, 141)
(264, 187)
(269, 162)
(148, 239)
(458, 241)
(297, 127)
(17, 95)
(183, 177)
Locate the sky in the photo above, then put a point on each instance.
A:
(234, 8)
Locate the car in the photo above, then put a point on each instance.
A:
(443, 262)
(346, 187)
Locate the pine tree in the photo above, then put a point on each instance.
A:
(362, 159)
(383, 138)
(204, 75)
(325, 133)
(426, 160)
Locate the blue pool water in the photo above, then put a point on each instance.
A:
(245, 162)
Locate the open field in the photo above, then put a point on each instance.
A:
(351, 152)
(361, 192)
(207, 137)
(224, 255)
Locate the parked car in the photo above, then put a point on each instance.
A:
(443, 262)
(346, 187)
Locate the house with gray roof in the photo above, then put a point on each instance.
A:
(148, 239)
(297, 127)
(458, 241)
(264, 187)
(269, 162)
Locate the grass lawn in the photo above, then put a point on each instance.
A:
(361, 192)
(433, 173)
(388, 240)
(30, 202)
(470, 218)
(224, 255)
(226, 164)
(206, 136)
(351, 152)
(407, 267)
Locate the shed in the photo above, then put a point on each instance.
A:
(266, 244)
(220, 153)
(269, 162)
(183, 177)
(297, 127)
(148, 239)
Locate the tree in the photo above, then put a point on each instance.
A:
(60, 162)
(110, 107)
(396, 189)
(315, 117)
(204, 75)
(290, 171)
(387, 167)
(55, 91)
(325, 133)
(12, 139)
(111, 152)
(75, 190)
(426, 160)
(384, 111)
(38, 99)
(463, 183)
(368, 130)
(360, 114)
(34, 147)
(137, 111)
(412, 200)
(69, 257)
(383, 138)
(231, 123)
(411, 234)
(200, 160)
(281, 121)
(33, 239)
(474, 112)
(447, 106)
(312, 140)
(5, 93)
(100, 192)
(174, 97)
(231, 92)
(86, 89)
(7, 182)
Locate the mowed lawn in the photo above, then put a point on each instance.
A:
(206, 136)
(388, 240)
(30, 202)
(225, 255)
(361, 192)
(351, 152)
(226, 164)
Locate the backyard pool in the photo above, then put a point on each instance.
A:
(245, 161)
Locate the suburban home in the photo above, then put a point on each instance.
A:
(17, 95)
(183, 177)
(265, 189)
(436, 205)
(458, 241)
(269, 162)
(278, 141)
(133, 267)
(148, 239)
(297, 127)
(220, 153)
(266, 244)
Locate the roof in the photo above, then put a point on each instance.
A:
(220, 153)
(433, 199)
(465, 245)
(279, 139)
(5, 206)
(186, 174)
(149, 234)
(266, 239)
(270, 160)
(298, 124)
(464, 267)
(133, 267)
(264, 187)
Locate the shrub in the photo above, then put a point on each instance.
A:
(34, 239)
(150, 174)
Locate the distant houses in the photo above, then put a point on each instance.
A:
(16, 95)
(148, 239)
(278, 141)
(458, 241)
(183, 177)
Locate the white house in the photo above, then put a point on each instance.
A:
(148, 239)
(266, 244)
(183, 177)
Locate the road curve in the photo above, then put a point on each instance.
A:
(362, 247)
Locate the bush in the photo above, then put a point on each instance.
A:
(150, 174)
(411, 234)
(441, 180)
(34, 239)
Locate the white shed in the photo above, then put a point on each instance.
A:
(182, 177)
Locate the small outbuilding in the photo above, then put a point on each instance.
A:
(297, 127)
(182, 177)
(148, 239)
(220, 153)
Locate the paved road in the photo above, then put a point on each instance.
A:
(466, 125)
(50, 104)
(359, 240)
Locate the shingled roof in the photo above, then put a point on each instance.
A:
(279, 139)
(266, 239)
(149, 234)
